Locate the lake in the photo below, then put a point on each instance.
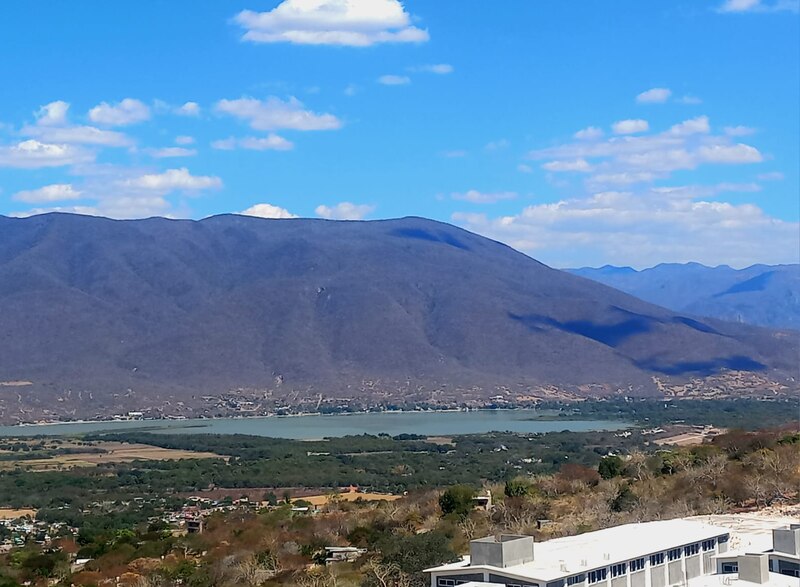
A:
(318, 426)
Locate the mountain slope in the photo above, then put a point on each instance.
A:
(763, 295)
(102, 315)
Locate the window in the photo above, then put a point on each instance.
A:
(657, 559)
(619, 569)
(724, 538)
(674, 554)
(575, 579)
(598, 575)
(709, 545)
(446, 583)
(637, 565)
(691, 549)
(730, 568)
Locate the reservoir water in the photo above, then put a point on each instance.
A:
(318, 426)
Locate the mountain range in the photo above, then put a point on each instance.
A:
(101, 316)
(764, 295)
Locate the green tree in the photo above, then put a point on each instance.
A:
(611, 467)
(519, 487)
(457, 499)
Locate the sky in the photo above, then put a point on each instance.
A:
(582, 133)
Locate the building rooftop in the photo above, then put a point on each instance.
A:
(561, 557)
(732, 580)
(750, 532)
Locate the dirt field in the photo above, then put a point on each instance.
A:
(12, 514)
(689, 438)
(320, 500)
(113, 452)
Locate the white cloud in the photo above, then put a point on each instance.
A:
(589, 133)
(267, 211)
(437, 68)
(272, 142)
(654, 96)
(351, 90)
(622, 178)
(735, 6)
(274, 114)
(394, 80)
(355, 23)
(689, 99)
(631, 126)
(691, 126)
(730, 154)
(128, 111)
(54, 113)
(573, 165)
(642, 229)
(32, 154)
(78, 135)
(739, 131)
(173, 179)
(477, 197)
(50, 193)
(166, 152)
(344, 211)
(188, 109)
(184, 140)
(524, 168)
(771, 176)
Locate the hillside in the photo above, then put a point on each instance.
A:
(763, 295)
(104, 316)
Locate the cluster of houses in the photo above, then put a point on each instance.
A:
(24, 530)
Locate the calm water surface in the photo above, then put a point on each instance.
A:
(315, 426)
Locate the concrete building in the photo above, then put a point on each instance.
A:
(690, 553)
(653, 554)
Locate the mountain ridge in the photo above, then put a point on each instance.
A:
(104, 316)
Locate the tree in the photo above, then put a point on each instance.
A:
(518, 487)
(610, 467)
(457, 499)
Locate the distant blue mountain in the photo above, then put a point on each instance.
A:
(764, 295)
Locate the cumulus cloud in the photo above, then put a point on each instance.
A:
(394, 80)
(689, 100)
(52, 126)
(128, 111)
(173, 179)
(477, 197)
(53, 113)
(267, 211)
(188, 109)
(184, 140)
(344, 211)
(738, 6)
(642, 229)
(631, 126)
(627, 159)
(589, 134)
(573, 165)
(275, 114)
(654, 96)
(272, 142)
(771, 176)
(32, 154)
(50, 193)
(168, 152)
(354, 23)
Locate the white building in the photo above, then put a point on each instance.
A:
(652, 554)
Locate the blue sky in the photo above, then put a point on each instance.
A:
(581, 133)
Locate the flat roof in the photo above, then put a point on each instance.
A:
(733, 580)
(601, 548)
(750, 532)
